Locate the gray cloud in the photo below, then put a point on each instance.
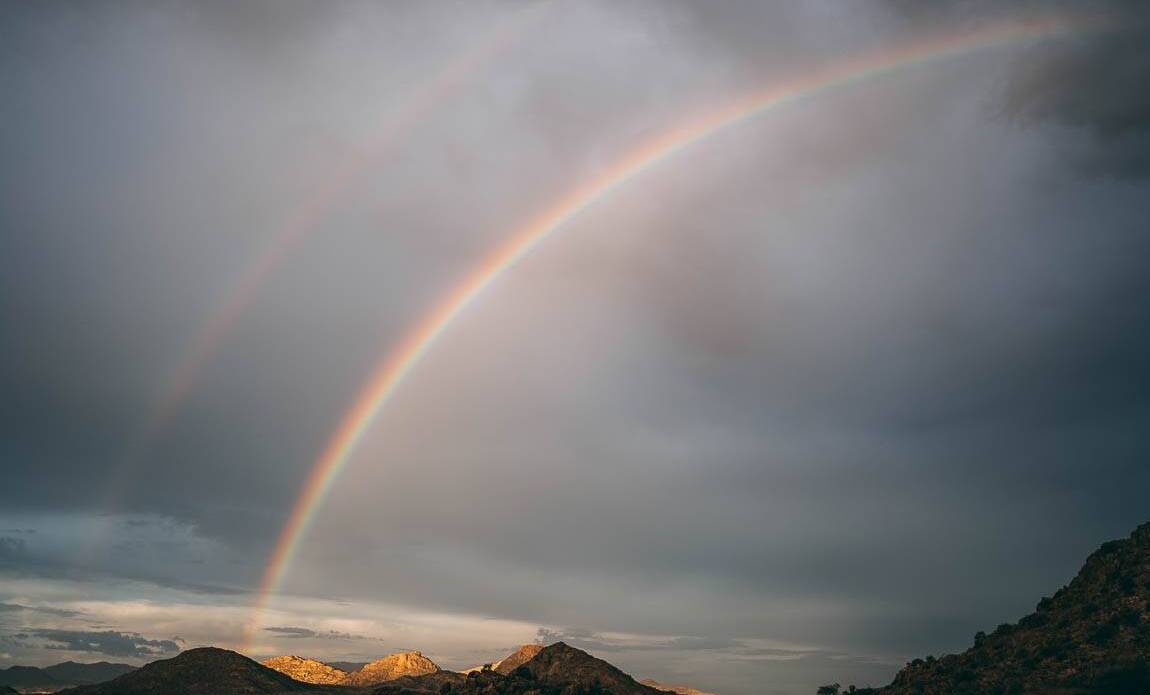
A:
(107, 642)
(1089, 84)
(288, 632)
(291, 632)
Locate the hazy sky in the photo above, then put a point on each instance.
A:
(835, 388)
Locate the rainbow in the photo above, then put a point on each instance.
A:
(402, 358)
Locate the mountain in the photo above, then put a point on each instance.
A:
(391, 667)
(1092, 637)
(30, 677)
(203, 671)
(562, 666)
(5, 690)
(61, 675)
(347, 666)
(677, 689)
(555, 670)
(517, 658)
(512, 661)
(307, 670)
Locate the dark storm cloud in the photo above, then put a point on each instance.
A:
(1096, 84)
(108, 642)
(1092, 82)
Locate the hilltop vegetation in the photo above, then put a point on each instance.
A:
(1092, 637)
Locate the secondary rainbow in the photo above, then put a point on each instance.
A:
(307, 216)
(402, 358)
(304, 219)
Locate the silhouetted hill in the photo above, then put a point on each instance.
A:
(29, 677)
(61, 675)
(74, 673)
(5, 690)
(1092, 637)
(203, 671)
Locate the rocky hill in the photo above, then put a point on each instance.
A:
(307, 670)
(562, 666)
(677, 689)
(391, 667)
(1091, 637)
(517, 658)
(203, 671)
(555, 670)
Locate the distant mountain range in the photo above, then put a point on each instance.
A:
(60, 676)
(554, 670)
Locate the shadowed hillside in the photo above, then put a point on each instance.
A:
(1092, 637)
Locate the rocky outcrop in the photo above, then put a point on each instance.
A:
(677, 689)
(307, 670)
(517, 658)
(391, 667)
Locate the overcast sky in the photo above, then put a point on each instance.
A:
(830, 390)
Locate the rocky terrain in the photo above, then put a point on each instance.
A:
(1092, 637)
(516, 659)
(512, 661)
(555, 670)
(307, 670)
(391, 667)
(677, 689)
